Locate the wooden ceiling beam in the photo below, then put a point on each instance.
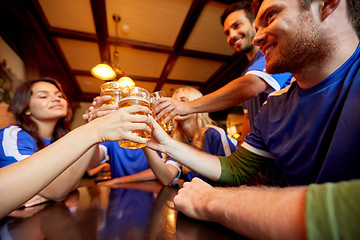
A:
(191, 18)
(99, 14)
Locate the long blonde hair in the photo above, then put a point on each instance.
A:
(203, 121)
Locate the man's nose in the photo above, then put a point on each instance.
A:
(258, 38)
(232, 33)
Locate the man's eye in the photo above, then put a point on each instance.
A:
(236, 25)
(270, 17)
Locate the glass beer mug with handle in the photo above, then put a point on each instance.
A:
(134, 96)
(169, 125)
(114, 90)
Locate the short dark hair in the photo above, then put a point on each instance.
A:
(243, 5)
(353, 9)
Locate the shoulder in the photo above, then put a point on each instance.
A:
(214, 131)
(281, 96)
(257, 63)
(215, 134)
(14, 131)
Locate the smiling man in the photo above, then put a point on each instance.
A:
(312, 127)
(251, 89)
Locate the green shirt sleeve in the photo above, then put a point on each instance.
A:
(241, 166)
(333, 211)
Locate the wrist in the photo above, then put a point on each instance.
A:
(169, 146)
(90, 133)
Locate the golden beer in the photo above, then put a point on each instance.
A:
(131, 101)
(114, 90)
(169, 125)
(115, 97)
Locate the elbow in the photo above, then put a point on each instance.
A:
(55, 196)
(58, 194)
(166, 181)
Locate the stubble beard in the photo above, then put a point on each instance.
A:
(303, 48)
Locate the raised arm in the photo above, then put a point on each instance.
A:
(24, 179)
(235, 92)
(203, 163)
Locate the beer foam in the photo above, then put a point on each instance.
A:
(134, 98)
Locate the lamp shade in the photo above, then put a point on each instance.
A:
(126, 82)
(103, 71)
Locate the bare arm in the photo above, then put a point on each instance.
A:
(254, 212)
(96, 170)
(69, 179)
(145, 175)
(164, 172)
(235, 92)
(201, 162)
(18, 184)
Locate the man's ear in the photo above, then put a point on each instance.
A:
(328, 7)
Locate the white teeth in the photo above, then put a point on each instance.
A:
(268, 49)
(237, 41)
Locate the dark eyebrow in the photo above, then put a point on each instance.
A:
(261, 17)
(237, 22)
(47, 92)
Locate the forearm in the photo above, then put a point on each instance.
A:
(233, 93)
(45, 166)
(145, 175)
(69, 179)
(201, 162)
(259, 212)
(162, 172)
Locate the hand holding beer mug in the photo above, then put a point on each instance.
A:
(134, 96)
(169, 125)
(114, 90)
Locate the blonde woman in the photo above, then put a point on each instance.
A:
(197, 130)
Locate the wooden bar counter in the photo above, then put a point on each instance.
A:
(142, 210)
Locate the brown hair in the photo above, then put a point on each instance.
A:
(243, 5)
(20, 104)
(353, 9)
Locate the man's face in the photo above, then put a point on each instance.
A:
(289, 36)
(239, 31)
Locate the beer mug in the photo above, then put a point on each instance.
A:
(169, 125)
(134, 96)
(114, 90)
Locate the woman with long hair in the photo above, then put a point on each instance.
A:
(59, 166)
(42, 113)
(197, 130)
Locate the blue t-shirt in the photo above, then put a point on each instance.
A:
(124, 161)
(16, 145)
(276, 82)
(216, 143)
(313, 133)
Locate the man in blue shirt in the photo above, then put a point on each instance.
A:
(312, 128)
(251, 89)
